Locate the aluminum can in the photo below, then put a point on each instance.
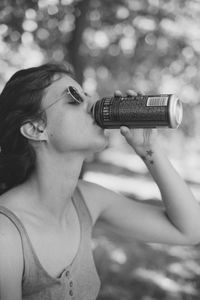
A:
(141, 111)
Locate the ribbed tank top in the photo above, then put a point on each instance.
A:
(78, 281)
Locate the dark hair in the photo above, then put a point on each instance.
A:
(20, 101)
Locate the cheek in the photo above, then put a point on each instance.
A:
(58, 132)
(65, 132)
(68, 132)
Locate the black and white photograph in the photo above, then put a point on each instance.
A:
(99, 150)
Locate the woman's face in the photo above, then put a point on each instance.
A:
(70, 126)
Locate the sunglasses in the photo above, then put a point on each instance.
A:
(74, 94)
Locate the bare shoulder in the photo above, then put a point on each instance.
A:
(97, 197)
(11, 255)
(10, 240)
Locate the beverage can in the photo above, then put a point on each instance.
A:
(141, 111)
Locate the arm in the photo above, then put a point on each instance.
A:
(11, 261)
(177, 223)
(132, 219)
(182, 211)
(181, 208)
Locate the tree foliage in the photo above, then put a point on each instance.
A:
(150, 45)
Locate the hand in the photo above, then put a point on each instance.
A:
(141, 140)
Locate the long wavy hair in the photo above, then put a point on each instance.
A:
(20, 101)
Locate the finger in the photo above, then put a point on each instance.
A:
(118, 93)
(125, 131)
(131, 93)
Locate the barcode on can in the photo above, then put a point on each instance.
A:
(157, 101)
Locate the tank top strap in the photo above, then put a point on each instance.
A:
(15, 220)
(82, 209)
(26, 247)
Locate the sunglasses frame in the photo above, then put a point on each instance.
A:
(80, 100)
(70, 90)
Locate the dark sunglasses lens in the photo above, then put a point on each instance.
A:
(75, 95)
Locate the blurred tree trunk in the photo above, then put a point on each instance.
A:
(81, 10)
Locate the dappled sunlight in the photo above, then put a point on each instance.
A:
(133, 177)
(184, 252)
(153, 270)
(161, 280)
(123, 159)
(188, 269)
(119, 256)
(142, 188)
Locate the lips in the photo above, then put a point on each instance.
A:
(94, 123)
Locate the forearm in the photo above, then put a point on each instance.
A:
(182, 208)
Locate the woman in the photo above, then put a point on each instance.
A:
(47, 213)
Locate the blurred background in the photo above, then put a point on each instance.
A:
(152, 46)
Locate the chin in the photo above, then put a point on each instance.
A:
(98, 144)
(101, 144)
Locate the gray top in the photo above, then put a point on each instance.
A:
(78, 281)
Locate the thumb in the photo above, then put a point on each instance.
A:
(125, 131)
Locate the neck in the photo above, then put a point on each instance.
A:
(54, 182)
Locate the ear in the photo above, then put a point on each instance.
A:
(33, 131)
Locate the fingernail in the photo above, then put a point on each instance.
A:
(124, 130)
(131, 92)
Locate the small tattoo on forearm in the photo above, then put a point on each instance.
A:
(149, 152)
(148, 157)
